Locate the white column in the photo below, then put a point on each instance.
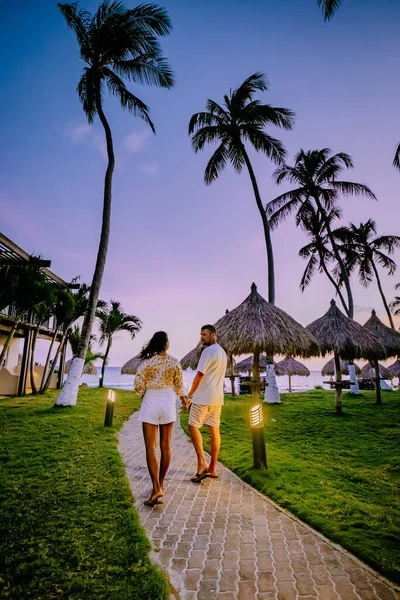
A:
(354, 389)
(271, 395)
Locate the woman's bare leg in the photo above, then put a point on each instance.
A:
(150, 440)
(165, 445)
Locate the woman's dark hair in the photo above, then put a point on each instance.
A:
(155, 346)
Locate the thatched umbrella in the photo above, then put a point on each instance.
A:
(347, 339)
(246, 365)
(394, 369)
(368, 372)
(390, 338)
(256, 326)
(191, 360)
(289, 366)
(328, 370)
(131, 367)
(88, 369)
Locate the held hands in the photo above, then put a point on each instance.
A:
(186, 402)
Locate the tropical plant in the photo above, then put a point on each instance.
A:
(73, 337)
(116, 44)
(113, 320)
(363, 250)
(394, 305)
(239, 123)
(24, 286)
(315, 173)
(318, 251)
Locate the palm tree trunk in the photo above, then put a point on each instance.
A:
(338, 385)
(256, 378)
(8, 341)
(103, 366)
(290, 383)
(46, 366)
(267, 230)
(32, 361)
(377, 382)
(385, 304)
(69, 392)
(335, 285)
(345, 275)
(45, 387)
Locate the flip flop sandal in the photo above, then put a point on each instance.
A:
(152, 502)
(200, 476)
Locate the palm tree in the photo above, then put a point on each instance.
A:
(318, 251)
(315, 172)
(112, 320)
(241, 122)
(364, 251)
(73, 337)
(394, 305)
(116, 43)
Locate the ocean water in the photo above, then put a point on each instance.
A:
(114, 379)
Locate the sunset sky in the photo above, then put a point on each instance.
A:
(182, 252)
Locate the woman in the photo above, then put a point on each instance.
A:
(158, 379)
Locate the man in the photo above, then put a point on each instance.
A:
(207, 397)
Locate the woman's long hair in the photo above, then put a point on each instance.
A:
(155, 346)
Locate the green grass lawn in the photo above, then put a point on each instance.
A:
(341, 475)
(68, 526)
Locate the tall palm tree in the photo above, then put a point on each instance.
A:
(116, 43)
(363, 250)
(239, 123)
(318, 250)
(113, 320)
(315, 173)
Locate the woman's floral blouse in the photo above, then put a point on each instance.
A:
(159, 372)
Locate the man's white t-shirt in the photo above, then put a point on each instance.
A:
(212, 364)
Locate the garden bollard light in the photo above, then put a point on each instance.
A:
(257, 431)
(109, 409)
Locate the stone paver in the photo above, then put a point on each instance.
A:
(222, 540)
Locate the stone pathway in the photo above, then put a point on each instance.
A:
(223, 540)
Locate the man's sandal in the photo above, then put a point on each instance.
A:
(200, 476)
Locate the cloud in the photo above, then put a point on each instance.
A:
(136, 140)
(149, 168)
(77, 133)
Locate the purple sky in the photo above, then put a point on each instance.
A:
(182, 252)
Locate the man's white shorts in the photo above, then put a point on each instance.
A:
(204, 415)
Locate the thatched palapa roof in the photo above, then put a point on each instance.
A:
(394, 369)
(368, 372)
(246, 365)
(337, 333)
(328, 370)
(258, 326)
(290, 366)
(131, 367)
(88, 369)
(191, 360)
(386, 335)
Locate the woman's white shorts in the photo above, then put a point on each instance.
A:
(158, 406)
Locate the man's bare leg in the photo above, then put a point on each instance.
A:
(215, 447)
(150, 440)
(165, 445)
(197, 440)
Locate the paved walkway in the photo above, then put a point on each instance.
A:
(223, 540)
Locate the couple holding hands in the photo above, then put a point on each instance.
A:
(159, 380)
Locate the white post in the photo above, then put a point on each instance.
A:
(69, 392)
(354, 389)
(271, 395)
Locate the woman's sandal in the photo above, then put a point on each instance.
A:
(152, 502)
(200, 476)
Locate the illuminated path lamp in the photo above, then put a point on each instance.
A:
(257, 431)
(110, 409)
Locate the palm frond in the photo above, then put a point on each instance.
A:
(348, 188)
(127, 99)
(329, 7)
(89, 87)
(308, 273)
(396, 160)
(216, 163)
(79, 21)
(207, 134)
(149, 69)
